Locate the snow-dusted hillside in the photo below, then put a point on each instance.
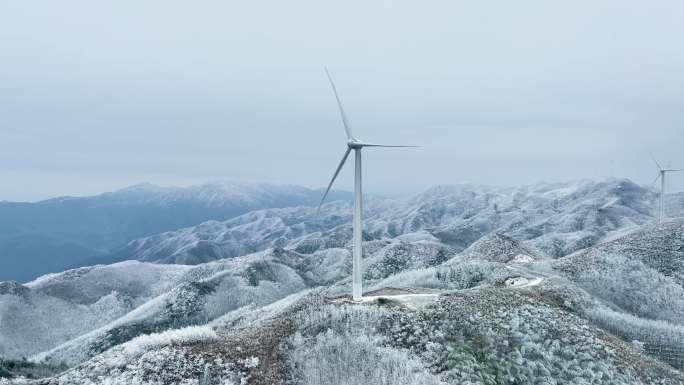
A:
(59, 307)
(501, 248)
(641, 272)
(103, 306)
(252, 280)
(640, 279)
(555, 218)
(434, 317)
(659, 247)
(480, 336)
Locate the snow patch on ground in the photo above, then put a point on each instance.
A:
(418, 237)
(522, 258)
(148, 342)
(411, 301)
(521, 282)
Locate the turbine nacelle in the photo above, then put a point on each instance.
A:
(354, 144)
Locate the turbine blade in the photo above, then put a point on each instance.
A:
(344, 159)
(655, 180)
(656, 162)
(385, 145)
(347, 129)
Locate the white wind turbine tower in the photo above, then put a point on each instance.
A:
(357, 145)
(661, 175)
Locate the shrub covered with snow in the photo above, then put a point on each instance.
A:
(343, 345)
(150, 359)
(354, 358)
(451, 275)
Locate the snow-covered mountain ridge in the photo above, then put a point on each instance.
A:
(557, 218)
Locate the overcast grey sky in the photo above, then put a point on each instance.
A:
(95, 96)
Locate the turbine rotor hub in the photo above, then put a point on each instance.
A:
(354, 144)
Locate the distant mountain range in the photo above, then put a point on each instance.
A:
(557, 218)
(213, 221)
(55, 234)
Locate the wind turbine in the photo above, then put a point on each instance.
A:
(661, 175)
(357, 145)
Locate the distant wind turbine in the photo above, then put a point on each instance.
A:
(661, 175)
(353, 144)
